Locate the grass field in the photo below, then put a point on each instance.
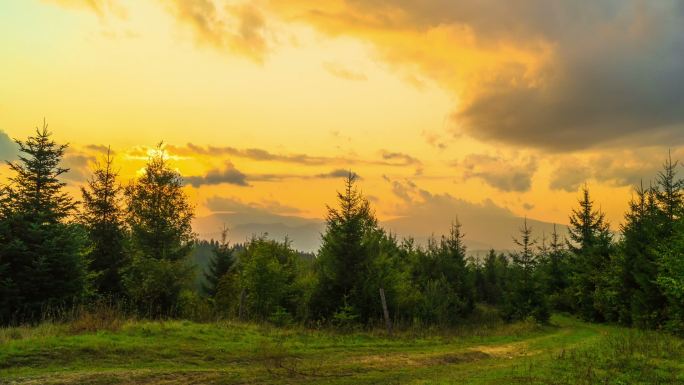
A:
(182, 352)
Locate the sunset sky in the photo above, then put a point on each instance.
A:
(482, 109)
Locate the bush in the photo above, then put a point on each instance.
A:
(281, 317)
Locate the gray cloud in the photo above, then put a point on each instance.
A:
(229, 174)
(101, 148)
(392, 159)
(624, 168)
(8, 148)
(503, 174)
(404, 159)
(618, 75)
(249, 153)
(485, 224)
(338, 173)
(269, 208)
(78, 165)
(612, 73)
(569, 177)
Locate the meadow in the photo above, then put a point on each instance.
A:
(117, 351)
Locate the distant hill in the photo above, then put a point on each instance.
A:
(304, 233)
(481, 233)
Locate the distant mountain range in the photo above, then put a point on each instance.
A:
(483, 228)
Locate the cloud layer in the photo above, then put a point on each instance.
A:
(498, 172)
(557, 75)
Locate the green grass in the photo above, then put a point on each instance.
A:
(183, 352)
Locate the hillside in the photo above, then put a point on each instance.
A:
(183, 352)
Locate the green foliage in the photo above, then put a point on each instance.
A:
(102, 217)
(526, 297)
(555, 272)
(345, 254)
(42, 260)
(220, 264)
(281, 317)
(346, 317)
(158, 212)
(493, 273)
(268, 272)
(590, 244)
(155, 285)
(159, 217)
(671, 279)
(441, 275)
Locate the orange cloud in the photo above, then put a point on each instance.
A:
(238, 28)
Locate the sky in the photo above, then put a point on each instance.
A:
(486, 110)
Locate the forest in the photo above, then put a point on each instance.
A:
(129, 246)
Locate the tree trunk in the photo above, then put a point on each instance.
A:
(388, 321)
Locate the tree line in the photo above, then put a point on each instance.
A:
(131, 244)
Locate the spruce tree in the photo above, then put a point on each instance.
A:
(159, 217)
(640, 300)
(221, 263)
(493, 278)
(102, 217)
(344, 254)
(669, 196)
(556, 272)
(671, 279)
(41, 251)
(526, 297)
(590, 243)
(664, 302)
(452, 254)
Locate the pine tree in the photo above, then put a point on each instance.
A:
(590, 244)
(102, 216)
(269, 273)
(663, 304)
(556, 272)
(452, 253)
(159, 217)
(669, 196)
(526, 297)
(493, 278)
(41, 252)
(220, 264)
(671, 279)
(343, 253)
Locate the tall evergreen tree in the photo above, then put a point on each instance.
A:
(669, 292)
(159, 216)
(640, 301)
(669, 196)
(671, 279)
(40, 250)
(221, 263)
(556, 272)
(493, 279)
(344, 253)
(590, 243)
(526, 297)
(453, 266)
(102, 216)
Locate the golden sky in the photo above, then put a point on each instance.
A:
(481, 109)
